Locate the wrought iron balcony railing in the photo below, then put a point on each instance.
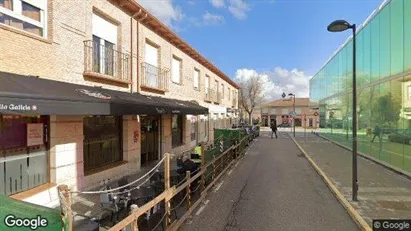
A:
(105, 61)
(154, 77)
(234, 103)
(218, 97)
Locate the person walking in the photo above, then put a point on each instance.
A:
(377, 132)
(274, 129)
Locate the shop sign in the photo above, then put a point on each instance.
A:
(18, 107)
(35, 135)
(160, 110)
(94, 94)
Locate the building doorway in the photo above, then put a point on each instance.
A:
(150, 138)
(310, 123)
(297, 122)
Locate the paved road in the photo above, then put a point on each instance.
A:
(272, 188)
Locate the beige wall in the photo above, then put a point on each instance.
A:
(185, 90)
(61, 55)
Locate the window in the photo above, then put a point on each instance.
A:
(229, 93)
(104, 46)
(207, 85)
(273, 111)
(27, 15)
(102, 141)
(298, 111)
(177, 130)
(222, 91)
(150, 76)
(193, 128)
(176, 68)
(23, 161)
(196, 79)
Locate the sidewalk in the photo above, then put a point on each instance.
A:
(382, 193)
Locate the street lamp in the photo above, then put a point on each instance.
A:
(338, 26)
(292, 95)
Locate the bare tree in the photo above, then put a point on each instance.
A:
(251, 94)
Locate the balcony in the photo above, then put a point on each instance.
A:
(218, 98)
(154, 78)
(105, 62)
(234, 103)
(207, 95)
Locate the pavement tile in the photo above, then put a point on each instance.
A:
(382, 193)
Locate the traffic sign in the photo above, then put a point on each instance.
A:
(283, 95)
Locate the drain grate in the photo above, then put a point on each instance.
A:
(393, 205)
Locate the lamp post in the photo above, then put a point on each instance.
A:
(292, 95)
(338, 26)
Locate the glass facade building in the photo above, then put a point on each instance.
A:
(383, 88)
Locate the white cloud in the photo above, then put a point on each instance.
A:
(218, 3)
(164, 10)
(279, 80)
(191, 3)
(239, 8)
(209, 18)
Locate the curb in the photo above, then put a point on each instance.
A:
(389, 167)
(361, 223)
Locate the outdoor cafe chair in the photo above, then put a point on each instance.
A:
(108, 205)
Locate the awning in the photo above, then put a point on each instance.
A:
(31, 95)
(182, 107)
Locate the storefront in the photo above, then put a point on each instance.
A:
(55, 132)
(23, 153)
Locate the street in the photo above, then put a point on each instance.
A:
(272, 188)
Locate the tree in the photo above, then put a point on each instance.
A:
(387, 110)
(251, 94)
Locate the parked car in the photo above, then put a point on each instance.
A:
(284, 125)
(400, 136)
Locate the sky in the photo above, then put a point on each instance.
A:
(284, 42)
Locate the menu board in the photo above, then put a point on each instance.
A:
(35, 134)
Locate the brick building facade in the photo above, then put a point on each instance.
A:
(306, 113)
(107, 45)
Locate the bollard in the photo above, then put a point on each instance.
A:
(133, 208)
(188, 177)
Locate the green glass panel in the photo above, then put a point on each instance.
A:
(343, 69)
(360, 58)
(382, 110)
(394, 146)
(375, 141)
(375, 48)
(367, 54)
(407, 35)
(385, 45)
(349, 59)
(397, 36)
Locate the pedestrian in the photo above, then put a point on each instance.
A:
(377, 132)
(274, 129)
